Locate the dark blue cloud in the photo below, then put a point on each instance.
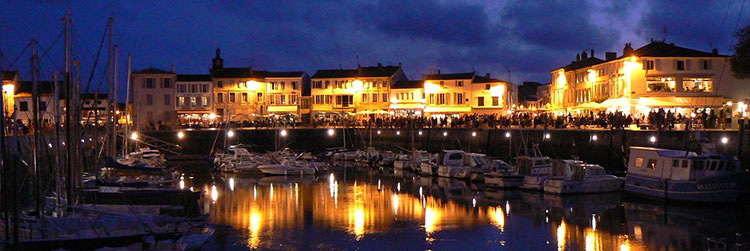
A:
(529, 38)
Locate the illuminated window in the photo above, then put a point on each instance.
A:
(441, 99)
(459, 83)
(244, 97)
(364, 97)
(651, 164)
(660, 84)
(294, 85)
(204, 101)
(193, 101)
(180, 101)
(220, 97)
(283, 99)
(293, 99)
(639, 162)
(480, 101)
(232, 97)
(375, 97)
(495, 101)
(459, 98)
(432, 98)
(696, 84)
(385, 97)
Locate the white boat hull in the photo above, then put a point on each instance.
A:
(564, 186)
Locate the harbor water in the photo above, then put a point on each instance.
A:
(378, 209)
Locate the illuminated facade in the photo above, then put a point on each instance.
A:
(284, 92)
(153, 98)
(657, 75)
(24, 104)
(360, 91)
(10, 79)
(194, 98)
(407, 98)
(464, 93)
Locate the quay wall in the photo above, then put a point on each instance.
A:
(605, 147)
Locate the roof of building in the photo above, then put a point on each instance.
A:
(467, 75)
(152, 70)
(9, 75)
(408, 84)
(367, 71)
(45, 87)
(662, 49)
(583, 63)
(194, 77)
(237, 72)
(481, 79)
(285, 74)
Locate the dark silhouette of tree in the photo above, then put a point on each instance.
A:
(741, 58)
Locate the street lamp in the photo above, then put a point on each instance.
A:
(652, 139)
(331, 132)
(724, 140)
(473, 134)
(507, 134)
(547, 136)
(180, 135)
(594, 138)
(283, 133)
(420, 133)
(398, 132)
(445, 134)
(134, 136)
(230, 133)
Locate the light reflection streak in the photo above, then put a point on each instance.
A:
(214, 194)
(498, 217)
(561, 231)
(231, 183)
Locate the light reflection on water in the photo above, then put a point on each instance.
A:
(373, 211)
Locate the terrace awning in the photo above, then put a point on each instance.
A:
(282, 108)
(447, 109)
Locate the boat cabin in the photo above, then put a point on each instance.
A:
(528, 163)
(461, 158)
(677, 164)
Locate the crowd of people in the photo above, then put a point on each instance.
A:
(660, 119)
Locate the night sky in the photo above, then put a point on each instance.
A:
(529, 38)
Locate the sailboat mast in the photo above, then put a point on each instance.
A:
(127, 99)
(68, 113)
(113, 103)
(35, 127)
(108, 146)
(58, 181)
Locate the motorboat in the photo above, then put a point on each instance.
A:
(144, 159)
(411, 161)
(559, 169)
(346, 155)
(683, 175)
(461, 165)
(584, 178)
(525, 165)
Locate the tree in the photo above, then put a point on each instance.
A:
(741, 59)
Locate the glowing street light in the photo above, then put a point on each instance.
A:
(420, 133)
(378, 132)
(507, 134)
(230, 133)
(652, 139)
(398, 132)
(473, 134)
(331, 132)
(212, 116)
(547, 136)
(594, 138)
(724, 140)
(445, 134)
(283, 133)
(133, 136)
(180, 135)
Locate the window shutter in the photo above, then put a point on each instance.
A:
(675, 64)
(644, 63)
(687, 64)
(657, 64)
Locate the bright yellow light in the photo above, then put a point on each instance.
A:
(358, 85)
(212, 116)
(632, 59)
(283, 133)
(561, 80)
(473, 134)
(253, 85)
(254, 227)
(431, 219)
(561, 236)
(394, 202)
(134, 136)
(497, 90)
(117, 112)
(652, 139)
(9, 89)
(592, 240)
(625, 245)
(592, 77)
(394, 100)
(724, 140)
(230, 133)
(331, 132)
(180, 134)
(594, 138)
(231, 183)
(429, 87)
(498, 217)
(214, 193)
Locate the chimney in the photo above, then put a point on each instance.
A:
(627, 50)
(583, 55)
(592, 53)
(487, 75)
(715, 51)
(173, 69)
(578, 57)
(610, 56)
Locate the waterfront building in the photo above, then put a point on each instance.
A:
(284, 92)
(407, 98)
(363, 91)
(465, 93)
(194, 103)
(657, 75)
(94, 108)
(153, 98)
(24, 105)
